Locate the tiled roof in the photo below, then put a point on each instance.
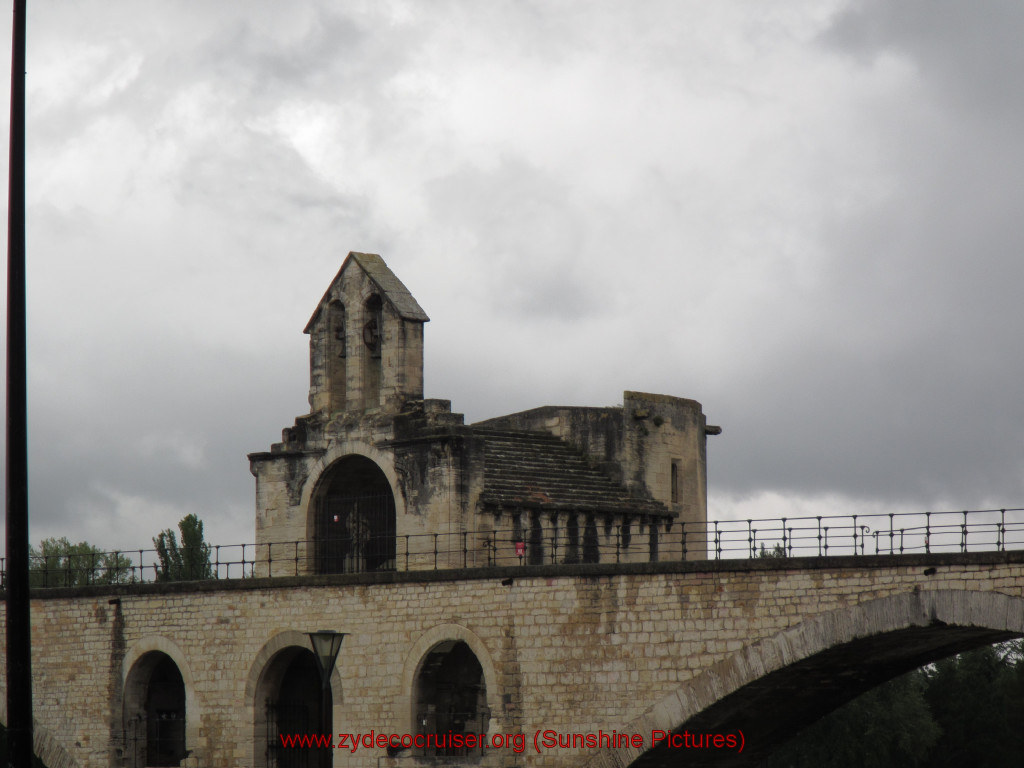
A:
(391, 288)
(539, 471)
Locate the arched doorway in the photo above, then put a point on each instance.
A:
(154, 713)
(355, 518)
(451, 697)
(288, 702)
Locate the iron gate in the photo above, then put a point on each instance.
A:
(356, 533)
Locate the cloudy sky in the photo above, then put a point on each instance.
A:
(805, 214)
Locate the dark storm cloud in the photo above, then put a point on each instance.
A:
(161, 467)
(901, 387)
(801, 214)
(968, 53)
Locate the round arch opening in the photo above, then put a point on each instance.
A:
(154, 712)
(289, 700)
(354, 513)
(451, 699)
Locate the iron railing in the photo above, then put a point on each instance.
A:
(591, 539)
(157, 740)
(290, 720)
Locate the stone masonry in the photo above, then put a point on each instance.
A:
(541, 571)
(566, 648)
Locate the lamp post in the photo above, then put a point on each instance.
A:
(326, 644)
(18, 630)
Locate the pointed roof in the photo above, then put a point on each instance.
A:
(391, 288)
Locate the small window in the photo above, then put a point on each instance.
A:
(373, 328)
(674, 474)
(338, 328)
(373, 341)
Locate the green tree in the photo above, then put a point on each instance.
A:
(977, 699)
(188, 562)
(59, 563)
(777, 552)
(964, 710)
(887, 726)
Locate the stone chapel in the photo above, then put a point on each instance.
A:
(376, 477)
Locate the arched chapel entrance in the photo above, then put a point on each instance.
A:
(354, 512)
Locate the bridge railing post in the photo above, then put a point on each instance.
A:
(963, 533)
(927, 532)
(819, 535)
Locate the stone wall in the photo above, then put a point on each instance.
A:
(573, 649)
(637, 444)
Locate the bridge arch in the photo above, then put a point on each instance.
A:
(771, 689)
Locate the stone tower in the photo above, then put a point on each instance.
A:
(365, 341)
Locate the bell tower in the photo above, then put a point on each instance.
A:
(365, 342)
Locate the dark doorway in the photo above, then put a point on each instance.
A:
(165, 715)
(451, 696)
(294, 709)
(355, 518)
(155, 712)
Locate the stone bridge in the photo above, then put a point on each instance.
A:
(749, 650)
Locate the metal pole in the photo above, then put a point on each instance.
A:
(326, 720)
(19, 649)
(326, 645)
